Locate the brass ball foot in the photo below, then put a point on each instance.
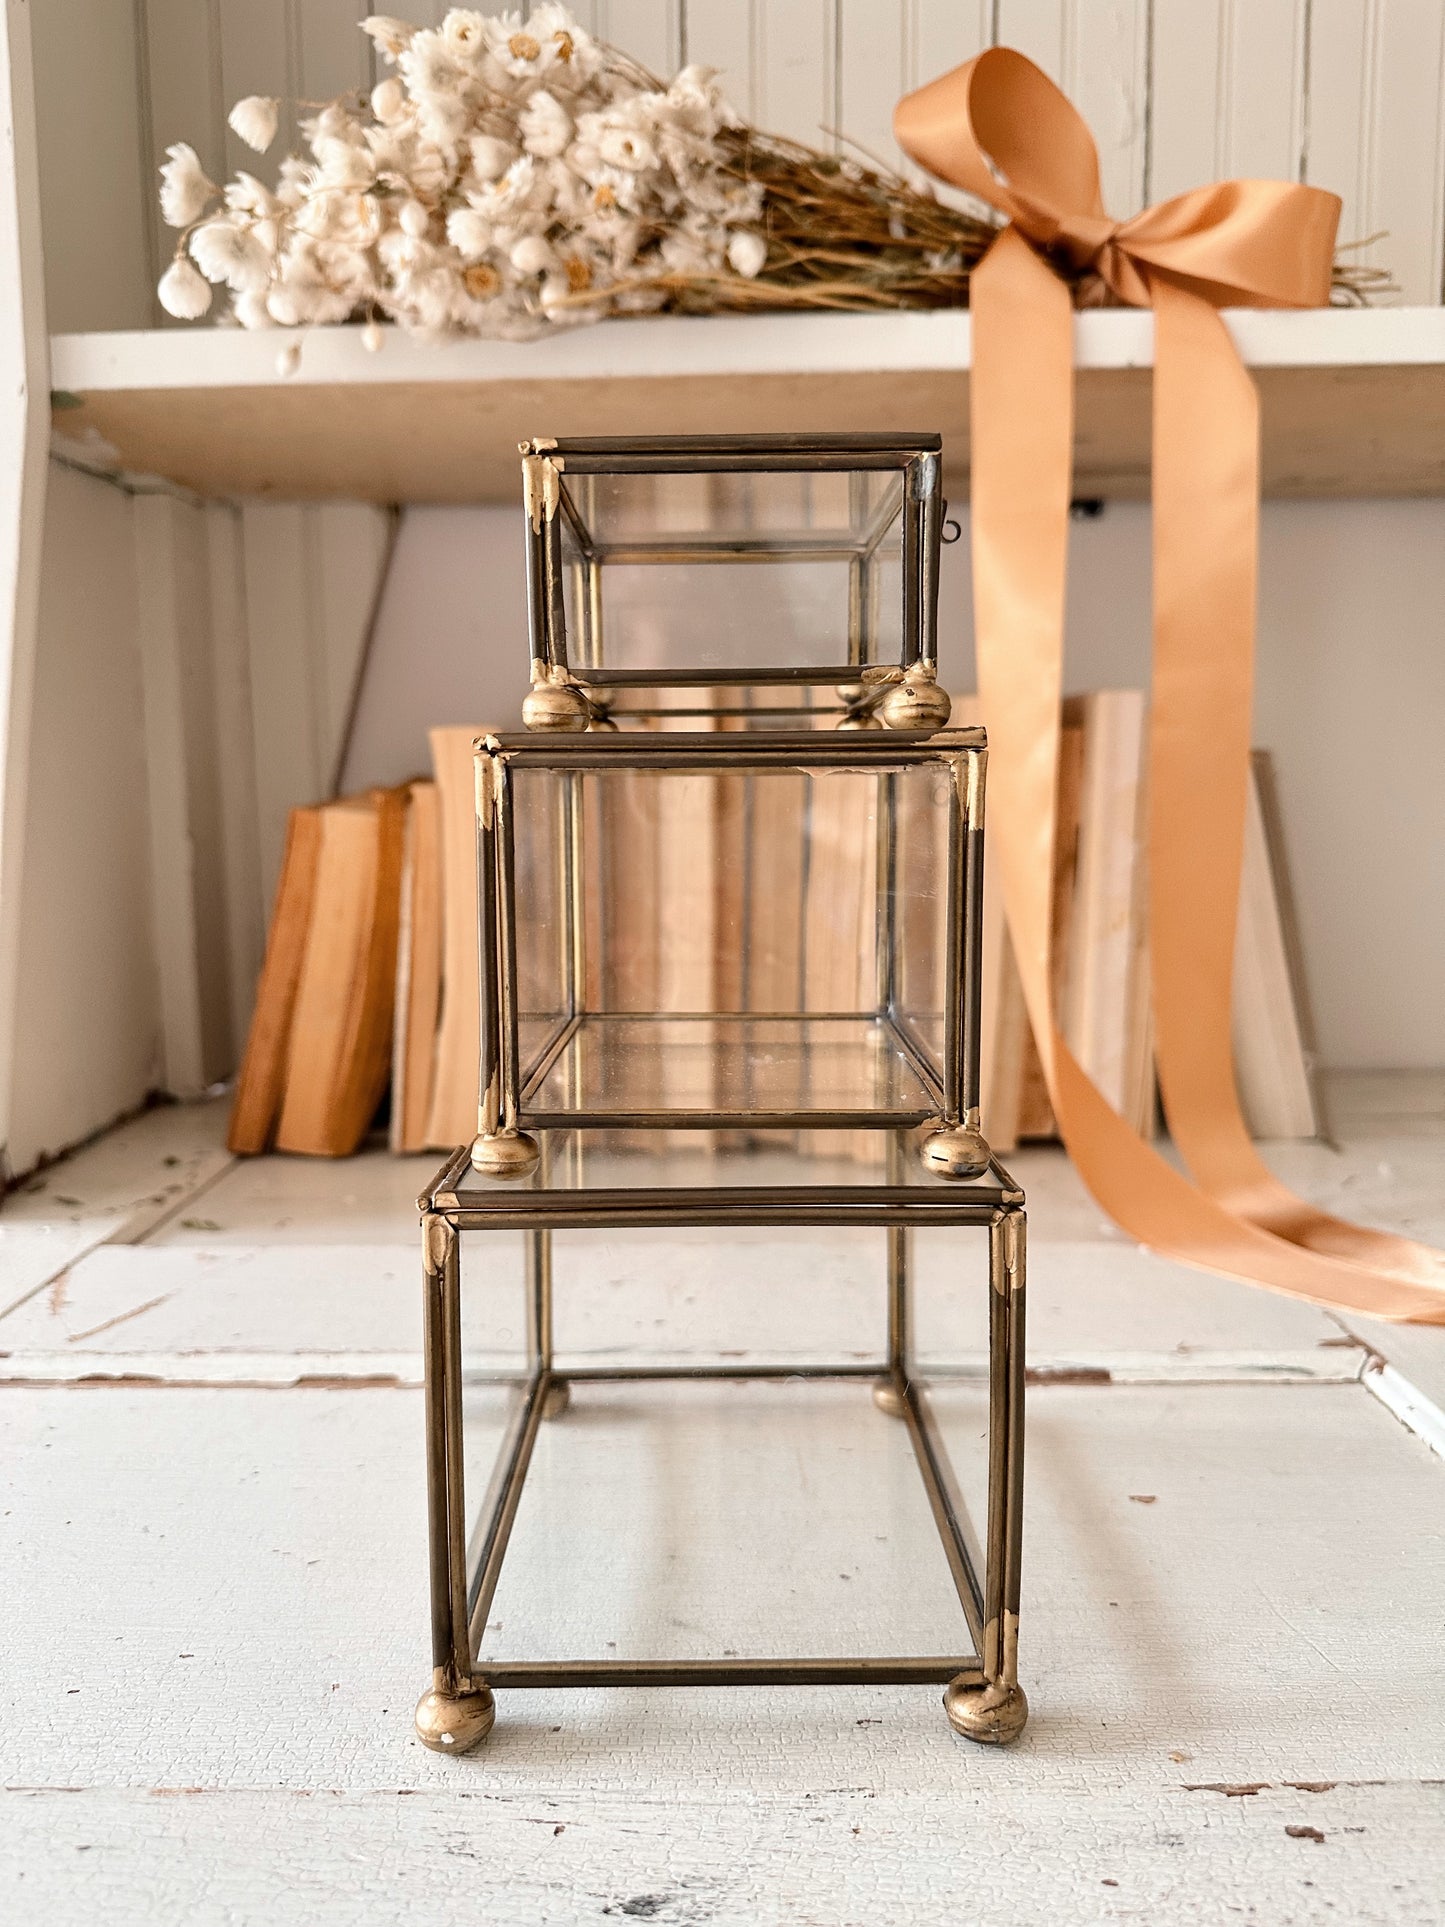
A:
(916, 703)
(557, 1398)
(991, 1714)
(556, 705)
(887, 1397)
(506, 1154)
(954, 1152)
(450, 1721)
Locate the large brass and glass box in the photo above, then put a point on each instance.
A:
(608, 1473)
(750, 931)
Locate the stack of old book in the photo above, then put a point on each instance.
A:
(370, 976)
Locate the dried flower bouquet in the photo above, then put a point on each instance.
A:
(509, 177)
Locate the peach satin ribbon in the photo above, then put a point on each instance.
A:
(999, 128)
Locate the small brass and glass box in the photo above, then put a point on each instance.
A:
(708, 567)
(755, 930)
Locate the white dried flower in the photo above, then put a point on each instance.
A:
(373, 337)
(310, 289)
(251, 311)
(465, 34)
(429, 67)
(388, 101)
(254, 120)
(628, 148)
(295, 180)
(183, 292)
(545, 126)
(391, 36)
(226, 251)
(516, 52)
(490, 157)
(532, 255)
(747, 251)
(520, 188)
(414, 219)
(470, 233)
(185, 189)
(444, 119)
(573, 58)
(342, 164)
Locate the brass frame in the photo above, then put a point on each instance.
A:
(547, 465)
(507, 1086)
(984, 1700)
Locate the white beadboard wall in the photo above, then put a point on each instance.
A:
(197, 662)
(155, 804)
(1349, 94)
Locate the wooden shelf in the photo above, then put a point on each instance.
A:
(1354, 400)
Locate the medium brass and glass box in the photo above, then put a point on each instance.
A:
(756, 930)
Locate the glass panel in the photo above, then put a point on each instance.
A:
(951, 1301)
(811, 901)
(495, 1355)
(575, 1161)
(813, 576)
(717, 1517)
(923, 812)
(718, 1520)
(746, 1067)
(543, 852)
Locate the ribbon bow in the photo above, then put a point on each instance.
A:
(999, 128)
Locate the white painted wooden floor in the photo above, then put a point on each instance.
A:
(212, 1583)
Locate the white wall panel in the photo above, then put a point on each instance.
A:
(456, 581)
(1375, 130)
(87, 1043)
(725, 34)
(310, 575)
(873, 71)
(1097, 51)
(286, 704)
(649, 30)
(94, 207)
(1350, 700)
(184, 101)
(173, 627)
(1227, 92)
(260, 54)
(239, 857)
(797, 70)
(333, 55)
(24, 429)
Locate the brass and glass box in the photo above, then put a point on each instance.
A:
(789, 1454)
(715, 569)
(729, 1157)
(759, 930)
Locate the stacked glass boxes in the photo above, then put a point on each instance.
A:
(729, 888)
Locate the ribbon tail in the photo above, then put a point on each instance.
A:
(1206, 495)
(1022, 410)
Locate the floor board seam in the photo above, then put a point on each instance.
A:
(1405, 1402)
